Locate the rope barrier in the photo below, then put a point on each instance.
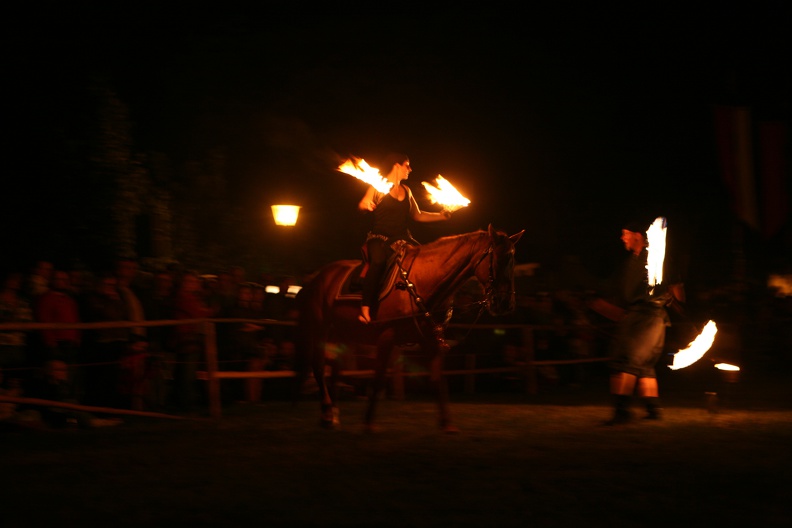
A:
(526, 365)
(39, 402)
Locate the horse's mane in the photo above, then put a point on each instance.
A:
(454, 241)
(447, 254)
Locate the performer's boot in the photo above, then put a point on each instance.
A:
(653, 411)
(648, 391)
(622, 386)
(621, 410)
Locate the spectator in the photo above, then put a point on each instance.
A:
(157, 303)
(79, 282)
(224, 293)
(57, 305)
(245, 341)
(282, 306)
(126, 271)
(136, 375)
(9, 411)
(190, 350)
(258, 303)
(238, 275)
(39, 279)
(105, 346)
(55, 385)
(221, 296)
(13, 344)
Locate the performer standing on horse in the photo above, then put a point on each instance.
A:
(392, 212)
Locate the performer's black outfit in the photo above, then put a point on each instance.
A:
(391, 218)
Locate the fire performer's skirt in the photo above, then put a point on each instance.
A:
(639, 340)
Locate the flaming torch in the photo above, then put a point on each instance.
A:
(731, 373)
(361, 170)
(697, 348)
(446, 195)
(656, 236)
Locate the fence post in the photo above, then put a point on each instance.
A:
(470, 379)
(213, 383)
(530, 368)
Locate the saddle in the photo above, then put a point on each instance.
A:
(352, 286)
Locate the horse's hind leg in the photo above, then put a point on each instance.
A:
(329, 414)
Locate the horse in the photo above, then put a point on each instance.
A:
(414, 307)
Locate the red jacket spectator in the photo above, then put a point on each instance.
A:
(57, 306)
(189, 304)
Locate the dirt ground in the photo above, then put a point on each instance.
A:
(520, 460)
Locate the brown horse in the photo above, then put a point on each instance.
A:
(413, 310)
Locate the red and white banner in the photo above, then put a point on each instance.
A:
(753, 165)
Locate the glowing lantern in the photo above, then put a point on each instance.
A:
(285, 215)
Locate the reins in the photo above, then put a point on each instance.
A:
(419, 301)
(487, 290)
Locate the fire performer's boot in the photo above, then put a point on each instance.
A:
(621, 410)
(647, 390)
(622, 386)
(653, 411)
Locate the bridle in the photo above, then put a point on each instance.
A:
(489, 289)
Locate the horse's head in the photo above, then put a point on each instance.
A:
(496, 272)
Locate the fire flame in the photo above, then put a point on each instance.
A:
(446, 195)
(361, 170)
(656, 236)
(697, 348)
(726, 366)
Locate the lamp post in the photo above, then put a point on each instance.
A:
(285, 215)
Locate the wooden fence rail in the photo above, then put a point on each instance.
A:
(527, 368)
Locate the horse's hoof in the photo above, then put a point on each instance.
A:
(331, 418)
(329, 423)
(450, 429)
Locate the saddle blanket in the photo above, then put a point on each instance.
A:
(352, 286)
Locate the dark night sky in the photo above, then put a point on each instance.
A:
(561, 122)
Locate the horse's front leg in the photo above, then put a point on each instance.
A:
(438, 348)
(384, 351)
(329, 417)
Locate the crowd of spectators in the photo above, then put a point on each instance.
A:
(144, 368)
(155, 368)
